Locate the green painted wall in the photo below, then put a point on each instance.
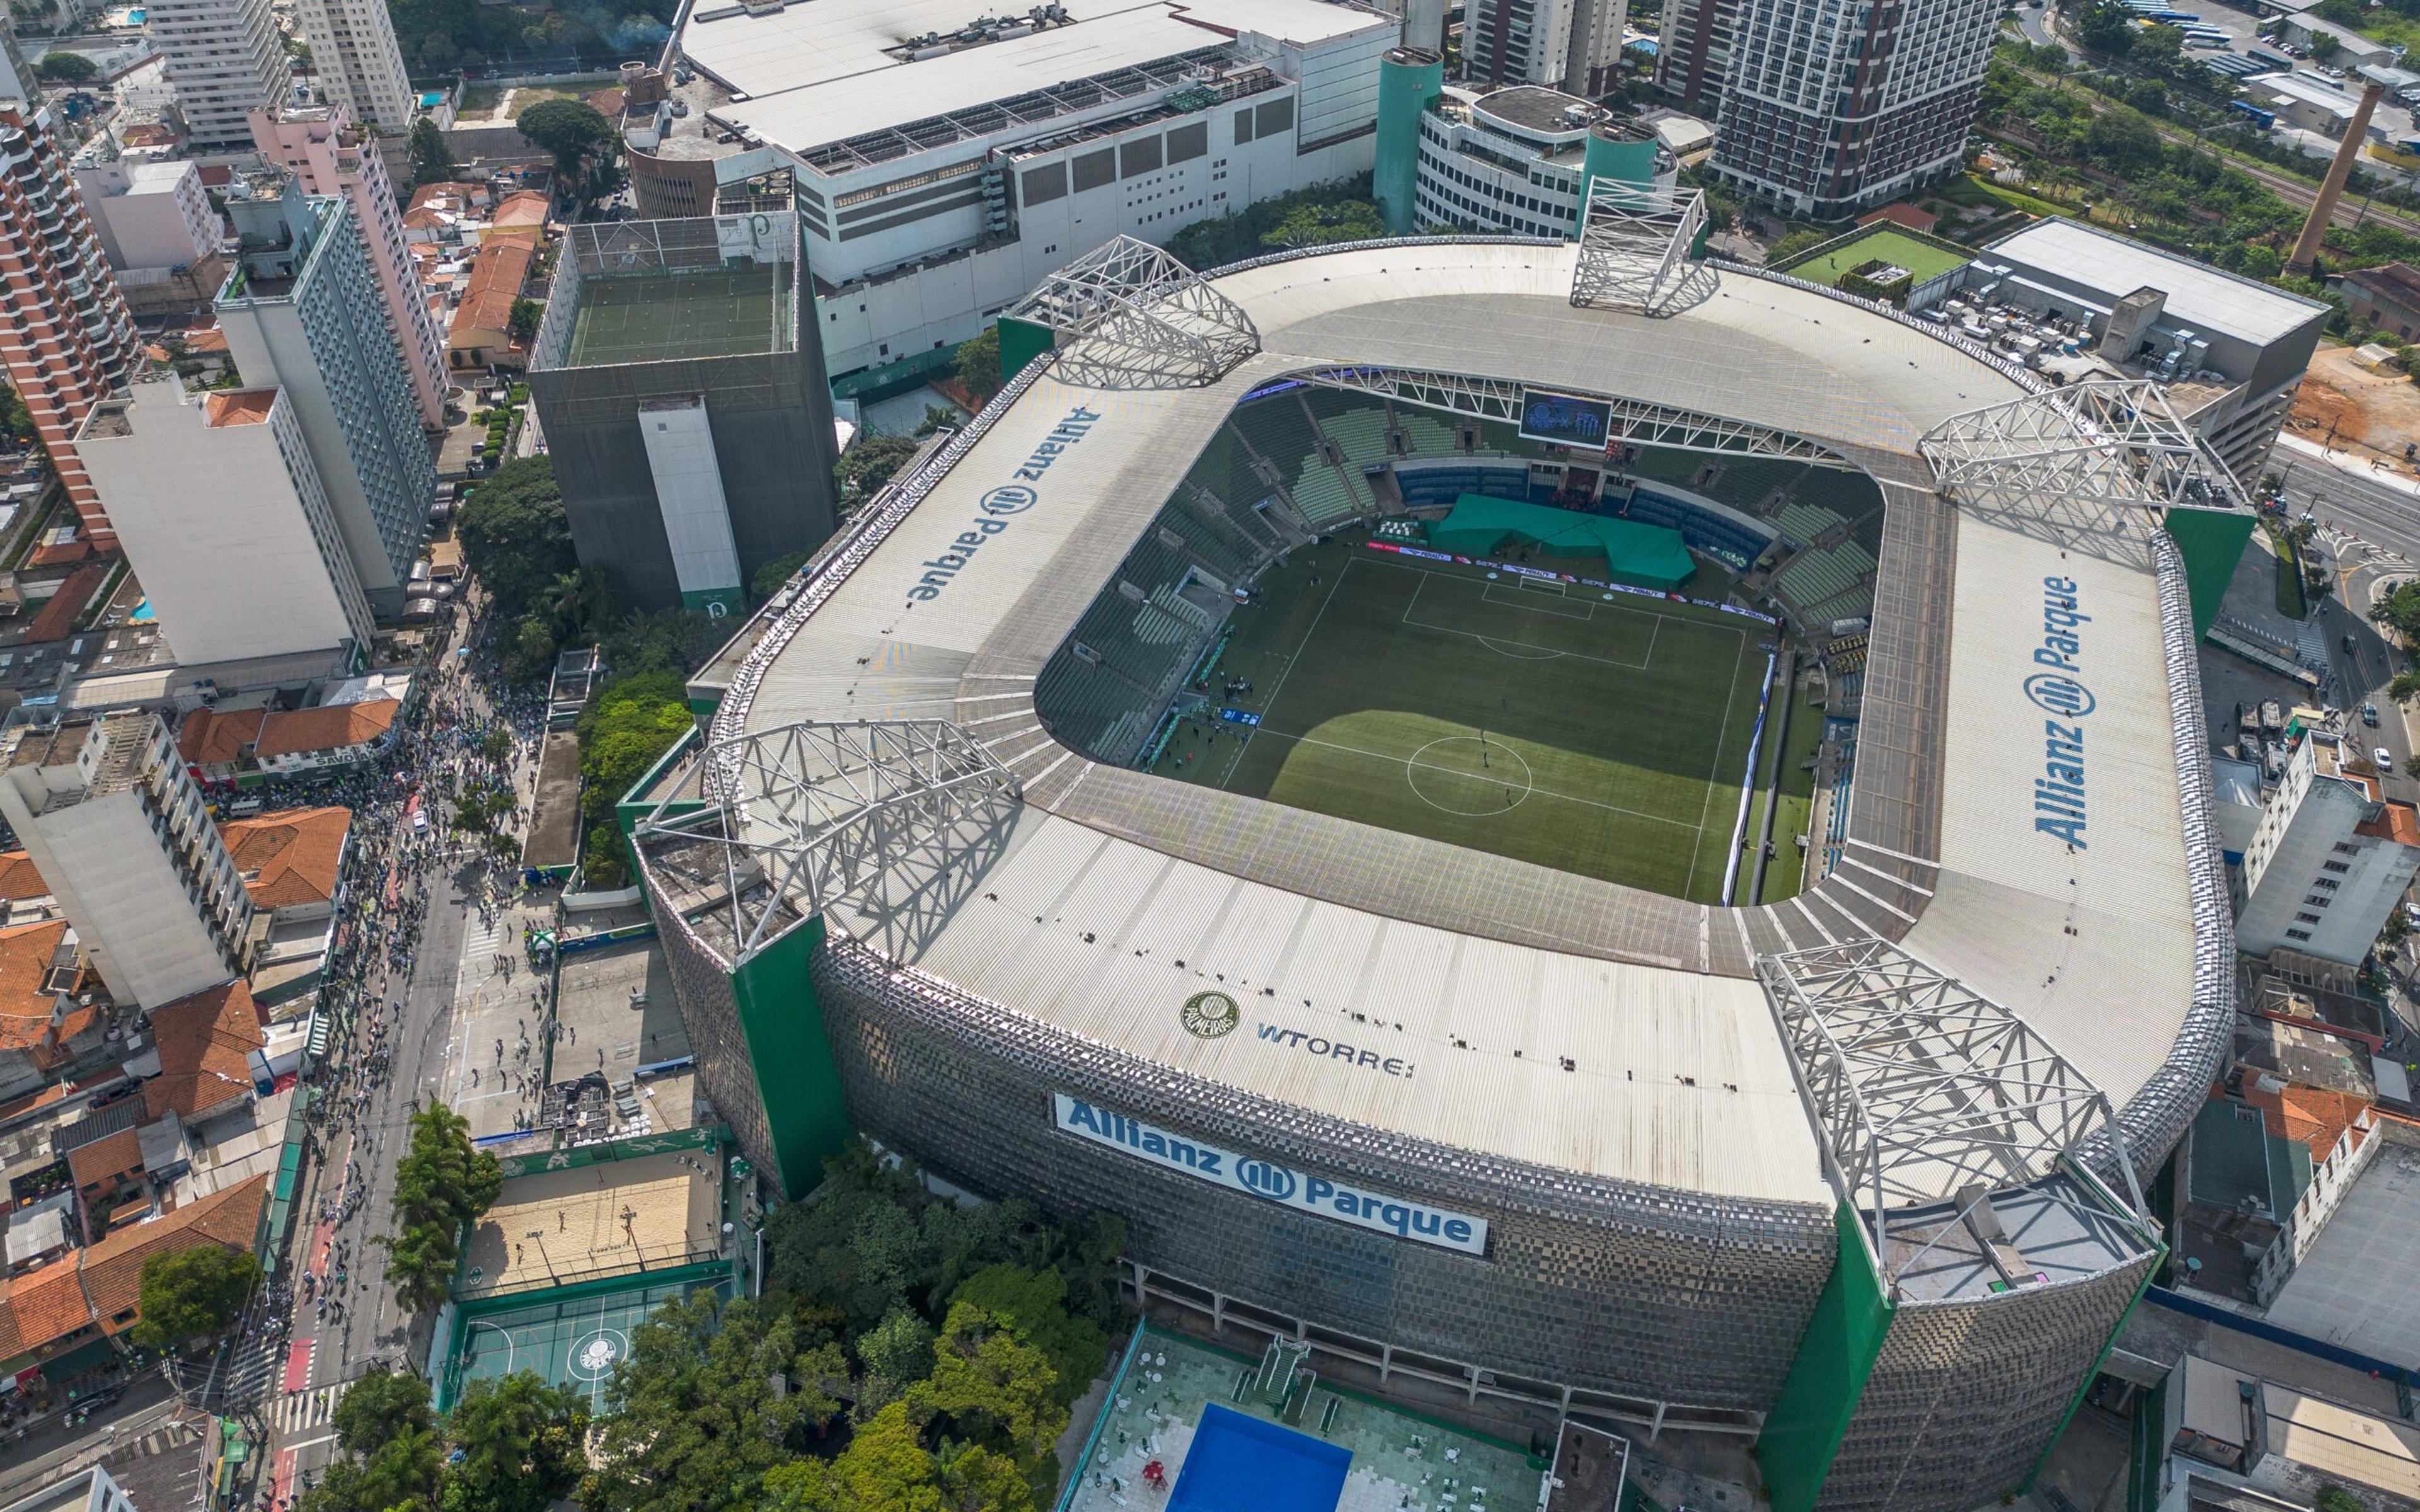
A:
(784, 1022)
(1609, 154)
(1834, 1357)
(717, 603)
(1410, 80)
(2211, 542)
(1020, 342)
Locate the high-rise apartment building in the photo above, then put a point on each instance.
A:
(121, 836)
(303, 311)
(360, 68)
(1831, 106)
(2330, 859)
(215, 489)
(224, 57)
(66, 337)
(1571, 45)
(330, 154)
(1693, 53)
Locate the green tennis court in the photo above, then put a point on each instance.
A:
(573, 1341)
(659, 317)
(1600, 733)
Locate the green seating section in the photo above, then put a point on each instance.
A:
(1280, 429)
(1429, 433)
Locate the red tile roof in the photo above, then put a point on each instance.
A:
(210, 738)
(19, 881)
(205, 1044)
(112, 1268)
(496, 282)
(26, 1008)
(109, 1156)
(58, 616)
(42, 1306)
(290, 857)
(1906, 215)
(329, 726)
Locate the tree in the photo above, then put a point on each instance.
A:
(378, 1408)
(67, 67)
(631, 723)
(582, 143)
(895, 1354)
(887, 1468)
(522, 324)
(2123, 140)
(870, 463)
(602, 865)
(441, 1185)
(1321, 225)
(514, 534)
(1791, 245)
(519, 1440)
(995, 1391)
(402, 1473)
(529, 651)
(187, 1293)
(2107, 28)
(695, 1420)
(978, 364)
(432, 160)
(768, 579)
(1033, 1306)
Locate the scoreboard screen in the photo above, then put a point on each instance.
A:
(1564, 419)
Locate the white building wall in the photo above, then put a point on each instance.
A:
(229, 529)
(224, 56)
(2311, 882)
(360, 68)
(151, 214)
(688, 491)
(887, 316)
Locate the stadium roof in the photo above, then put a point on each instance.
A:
(1115, 895)
(828, 71)
(2199, 296)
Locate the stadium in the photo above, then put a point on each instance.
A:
(1408, 1018)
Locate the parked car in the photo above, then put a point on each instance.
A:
(2369, 714)
(2386, 758)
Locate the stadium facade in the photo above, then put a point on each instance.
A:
(678, 379)
(1854, 1177)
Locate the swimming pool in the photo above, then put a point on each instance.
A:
(141, 613)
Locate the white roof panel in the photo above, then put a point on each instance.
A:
(2200, 296)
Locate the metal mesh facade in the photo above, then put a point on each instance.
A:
(1967, 1395)
(1599, 1285)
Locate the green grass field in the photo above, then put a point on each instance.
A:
(659, 316)
(1602, 735)
(1922, 259)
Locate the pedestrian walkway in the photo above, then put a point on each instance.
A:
(298, 1357)
(299, 1413)
(174, 1434)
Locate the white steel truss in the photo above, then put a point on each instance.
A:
(1920, 1089)
(2113, 446)
(1635, 244)
(1129, 315)
(1637, 422)
(812, 814)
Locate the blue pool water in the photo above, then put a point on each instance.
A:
(142, 613)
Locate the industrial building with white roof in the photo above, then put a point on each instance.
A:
(947, 161)
(1488, 1135)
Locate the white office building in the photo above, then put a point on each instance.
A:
(225, 57)
(224, 516)
(2331, 858)
(1571, 45)
(360, 68)
(1515, 161)
(121, 834)
(944, 169)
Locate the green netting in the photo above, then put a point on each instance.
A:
(1638, 555)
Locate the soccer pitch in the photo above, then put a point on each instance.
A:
(1604, 735)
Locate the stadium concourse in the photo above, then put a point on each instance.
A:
(1523, 1140)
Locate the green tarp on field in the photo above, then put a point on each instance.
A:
(1636, 555)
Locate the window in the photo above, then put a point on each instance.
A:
(2298, 935)
(2334, 866)
(2347, 848)
(1093, 169)
(1243, 126)
(2307, 919)
(1273, 117)
(1186, 143)
(1139, 156)
(1042, 185)
(2315, 901)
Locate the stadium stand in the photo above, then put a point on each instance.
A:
(1224, 548)
(1280, 429)
(1706, 531)
(1225, 468)
(1355, 422)
(1431, 486)
(1101, 690)
(1428, 433)
(1815, 577)
(1749, 483)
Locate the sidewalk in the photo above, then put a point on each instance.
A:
(2375, 470)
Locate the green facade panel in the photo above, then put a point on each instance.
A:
(2211, 542)
(1410, 80)
(1022, 342)
(1834, 1357)
(784, 1022)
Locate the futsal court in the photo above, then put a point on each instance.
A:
(661, 317)
(573, 1342)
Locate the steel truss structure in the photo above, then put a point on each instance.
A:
(2113, 446)
(1638, 422)
(1129, 315)
(808, 815)
(1922, 1090)
(1635, 245)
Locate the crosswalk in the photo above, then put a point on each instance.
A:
(300, 1411)
(174, 1434)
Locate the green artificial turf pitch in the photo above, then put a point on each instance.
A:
(653, 318)
(1602, 736)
